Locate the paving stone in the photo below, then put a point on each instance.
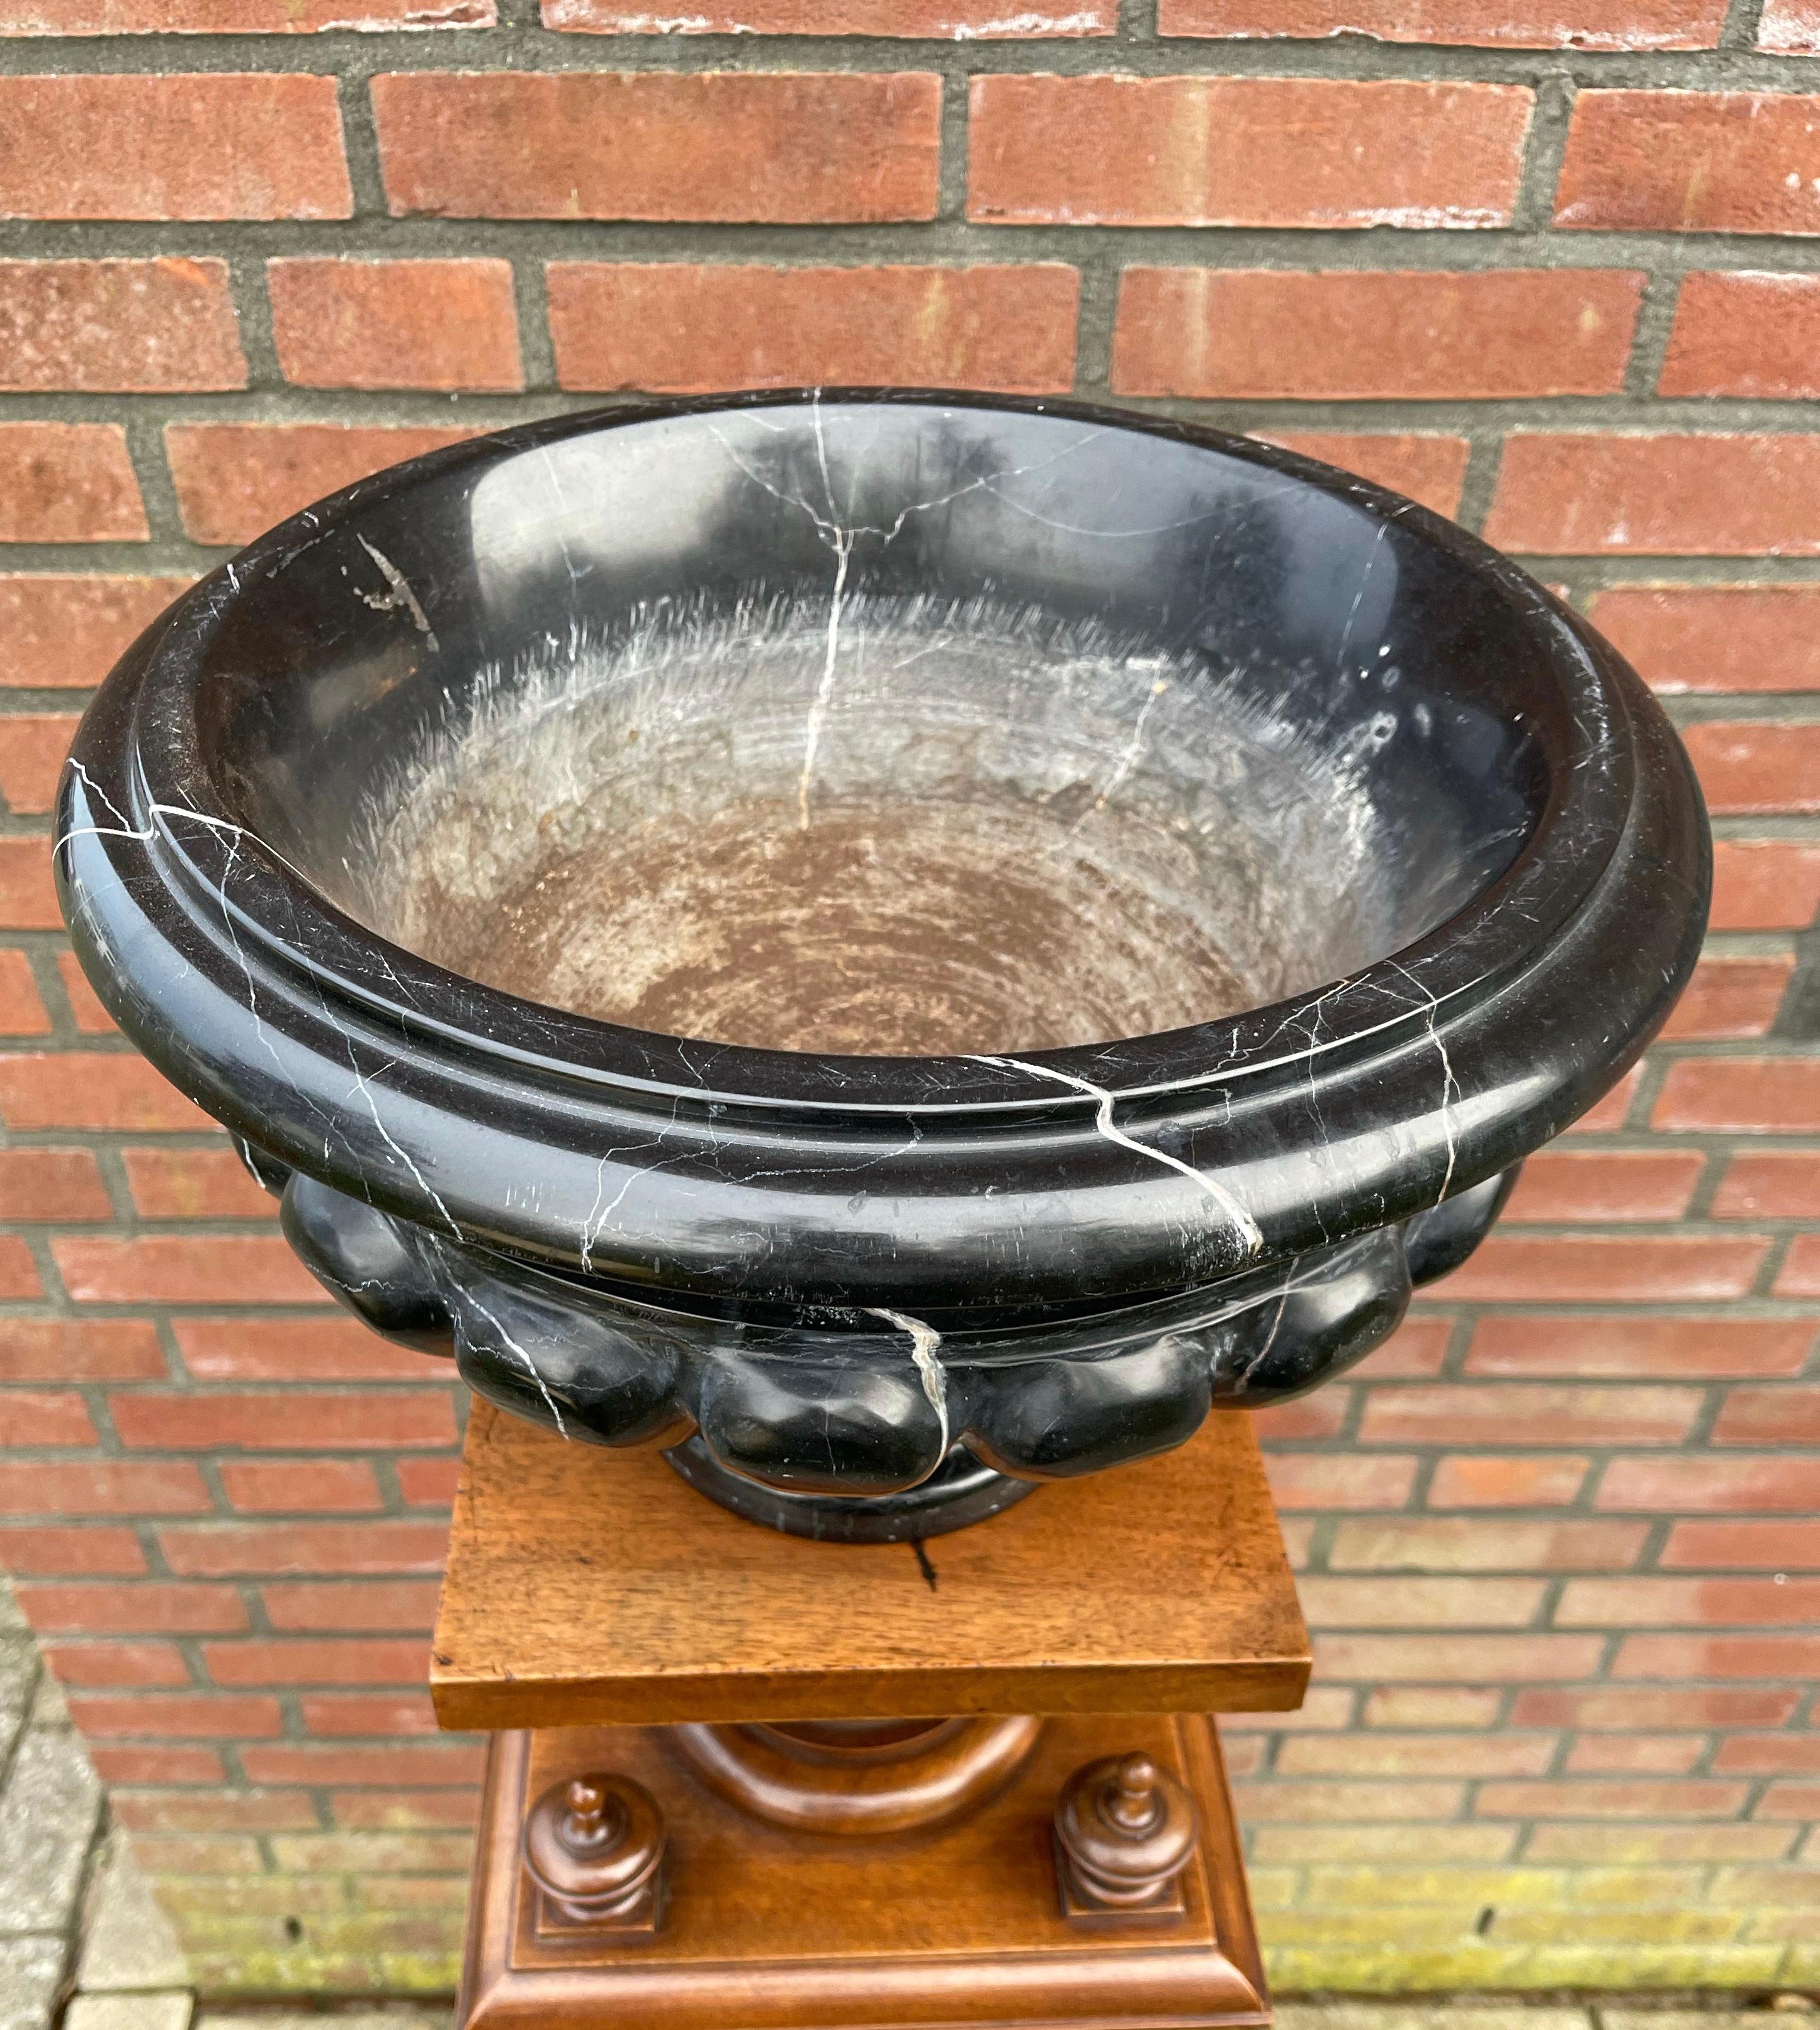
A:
(31, 1970)
(128, 1944)
(47, 1818)
(48, 1709)
(133, 2012)
(18, 1674)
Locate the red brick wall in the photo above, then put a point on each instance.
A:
(1554, 270)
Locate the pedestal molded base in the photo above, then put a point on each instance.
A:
(950, 1928)
(962, 1490)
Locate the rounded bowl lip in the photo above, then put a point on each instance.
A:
(277, 910)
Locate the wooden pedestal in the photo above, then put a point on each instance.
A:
(595, 1599)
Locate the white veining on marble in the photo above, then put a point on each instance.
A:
(525, 1360)
(399, 596)
(924, 1343)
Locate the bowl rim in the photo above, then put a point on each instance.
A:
(278, 913)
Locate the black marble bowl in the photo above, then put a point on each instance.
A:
(1237, 870)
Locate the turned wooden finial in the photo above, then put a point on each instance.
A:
(1124, 1832)
(594, 1847)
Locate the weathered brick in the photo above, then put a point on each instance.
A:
(1799, 1275)
(1784, 1544)
(335, 1715)
(217, 1269)
(116, 1665)
(1605, 1184)
(46, 1419)
(19, 1274)
(52, 1550)
(1692, 161)
(1458, 1659)
(67, 482)
(1610, 1113)
(351, 1606)
(1782, 1416)
(1361, 334)
(1628, 1706)
(780, 147)
(32, 745)
(1744, 1096)
(1764, 884)
(1770, 1184)
(1745, 334)
(1696, 1483)
(1243, 151)
(28, 897)
(1791, 27)
(118, 327)
(1426, 1754)
(229, 144)
(1585, 1268)
(950, 21)
(236, 18)
(1435, 1544)
(1418, 1347)
(1433, 1705)
(370, 1419)
(177, 1716)
(22, 1010)
(47, 1184)
(1493, 1480)
(334, 1348)
(1747, 765)
(1654, 24)
(1482, 1412)
(1690, 1798)
(138, 1606)
(1326, 1480)
(392, 1763)
(1771, 1754)
(380, 1545)
(65, 632)
(1432, 469)
(1737, 1655)
(1640, 1347)
(1426, 1602)
(101, 1487)
(443, 324)
(92, 1018)
(1651, 1602)
(235, 480)
(1658, 496)
(430, 1483)
(291, 1487)
(117, 1766)
(1632, 1844)
(318, 1660)
(1730, 999)
(1726, 638)
(1268, 1804)
(404, 1811)
(675, 327)
(41, 1090)
(194, 1184)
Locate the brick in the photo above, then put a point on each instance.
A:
(1748, 765)
(1769, 1417)
(27, 899)
(1629, 1706)
(1730, 999)
(21, 1006)
(780, 147)
(1745, 334)
(1585, 1268)
(1436, 1544)
(1609, 1113)
(119, 1766)
(66, 483)
(235, 480)
(1323, 1706)
(1243, 151)
(1770, 1184)
(349, 1661)
(141, 1607)
(1743, 1095)
(290, 1487)
(92, 1018)
(57, 1551)
(1428, 1754)
(1479, 1413)
(1800, 1276)
(46, 1417)
(1790, 1801)
(393, 1763)
(1433, 1705)
(18, 1272)
(118, 327)
(1508, 1482)
(1561, 1184)
(1432, 469)
(336, 1716)
(62, 631)
(78, 1349)
(1661, 25)
(313, 1349)
(1478, 1602)
(950, 21)
(442, 325)
(676, 327)
(194, 1184)
(1458, 1659)
(1692, 162)
(1658, 496)
(1327, 1481)
(41, 1090)
(113, 1666)
(1764, 885)
(1743, 1655)
(431, 1482)
(1791, 27)
(48, 1184)
(1701, 1349)
(1783, 1545)
(221, 1812)
(226, 1549)
(388, 1606)
(32, 745)
(1726, 638)
(1422, 335)
(177, 1716)
(101, 1487)
(1322, 1415)
(160, 1858)
(1710, 1484)
(234, 144)
(217, 1269)
(1649, 1602)
(1771, 1755)
(1417, 1348)
(1430, 1844)
(1633, 1845)
(1267, 1804)
(366, 1421)
(240, 18)
(1688, 1799)
(402, 1811)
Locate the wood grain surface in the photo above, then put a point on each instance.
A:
(591, 1586)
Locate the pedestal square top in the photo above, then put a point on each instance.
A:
(586, 1587)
